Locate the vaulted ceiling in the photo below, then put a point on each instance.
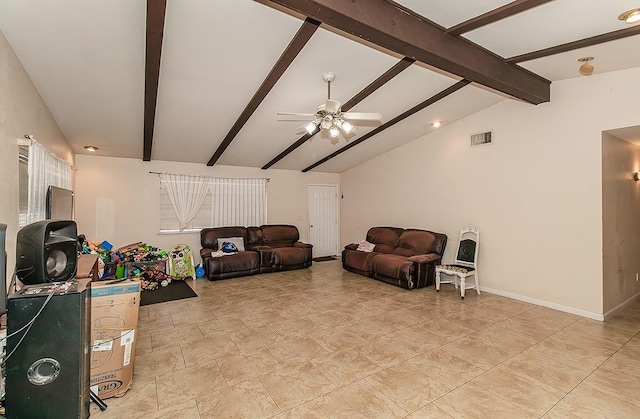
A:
(202, 81)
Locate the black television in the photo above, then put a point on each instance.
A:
(59, 203)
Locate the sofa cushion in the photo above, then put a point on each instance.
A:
(285, 256)
(384, 248)
(418, 241)
(279, 235)
(384, 235)
(401, 251)
(254, 237)
(237, 262)
(209, 236)
(393, 266)
(359, 260)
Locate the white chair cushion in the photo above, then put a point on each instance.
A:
(451, 268)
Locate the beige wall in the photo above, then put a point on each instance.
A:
(117, 199)
(535, 194)
(620, 221)
(22, 111)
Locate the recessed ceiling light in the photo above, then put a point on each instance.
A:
(436, 124)
(91, 148)
(631, 16)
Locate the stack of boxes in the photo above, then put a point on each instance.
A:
(114, 322)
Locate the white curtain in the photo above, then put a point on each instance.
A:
(45, 169)
(239, 202)
(186, 193)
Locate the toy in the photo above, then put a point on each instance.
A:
(181, 262)
(152, 279)
(228, 247)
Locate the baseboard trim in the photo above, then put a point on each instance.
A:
(621, 306)
(559, 307)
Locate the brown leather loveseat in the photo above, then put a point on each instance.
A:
(268, 248)
(404, 257)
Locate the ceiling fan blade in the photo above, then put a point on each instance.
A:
(295, 116)
(363, 116)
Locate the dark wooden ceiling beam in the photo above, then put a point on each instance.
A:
(372, 87)
(433, 99)
(397, 68)
(495, 15)
(156, 10)
(570, 46)
(390, 26)
(298, 42)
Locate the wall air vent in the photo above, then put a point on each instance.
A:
(483, 138)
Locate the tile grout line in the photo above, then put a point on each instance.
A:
(592, 372)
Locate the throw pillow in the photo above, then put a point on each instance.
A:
(365, 246)
(238, 241)
(228, 247)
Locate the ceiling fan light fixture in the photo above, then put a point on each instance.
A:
(332, 106)
(347, 127)
(311, 127)
(329, 116)
(630, 16)
(586, 69)
(327, 122)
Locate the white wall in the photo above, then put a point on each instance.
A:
(620, 222)
(22, 111)
(535, 193)
(118, 200)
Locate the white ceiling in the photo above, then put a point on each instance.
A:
(87, 60)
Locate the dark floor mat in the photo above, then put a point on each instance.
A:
(324, 258)
(176, 290)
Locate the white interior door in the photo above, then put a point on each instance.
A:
(323, 219)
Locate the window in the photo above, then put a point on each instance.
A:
(38, 168)
(23, 184)
(169, 222)
(239, 202)
(228, 202)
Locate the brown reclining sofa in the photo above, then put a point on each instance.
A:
(268, 248)
(404, 257)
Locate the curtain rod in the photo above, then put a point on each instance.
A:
(211, 177)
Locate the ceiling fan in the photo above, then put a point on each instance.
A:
(329, 116)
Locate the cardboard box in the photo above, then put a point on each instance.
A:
(114, 320)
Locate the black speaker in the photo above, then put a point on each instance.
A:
(3, 269)
(46, 251)
(48, 354)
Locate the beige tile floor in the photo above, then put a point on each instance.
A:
(326, 343)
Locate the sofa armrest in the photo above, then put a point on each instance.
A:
(205, 252)
(430, 257)
(351, 246)
(266, 257)
(303, 245)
